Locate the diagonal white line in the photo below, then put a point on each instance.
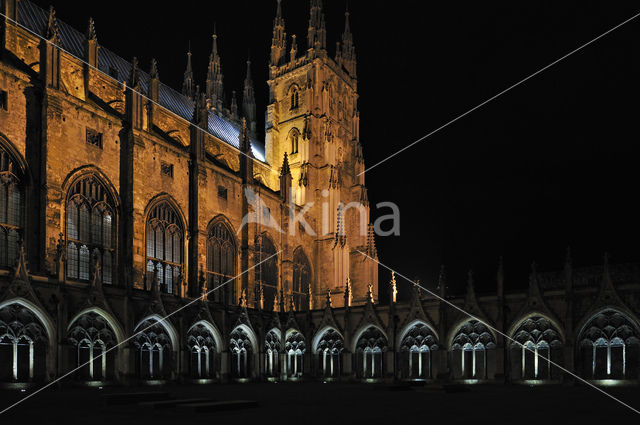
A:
(16, 23)
(471, 316)
(459, 117)
(136, 334)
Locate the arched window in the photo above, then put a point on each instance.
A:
(91, 337)
(537, 345)
(472, 351)
(11, 208)
(23, 345)
(415, 352)
(272, 354)
(328, 354)
(221, 262)
(295, 98)
(202, 350)
(370, 348)
(609, 347)
(266, 270)
(241, 354)
(165, 243)
(301, 279)
(91, 229)
(294, 139)
(154, 353)
(295, 348)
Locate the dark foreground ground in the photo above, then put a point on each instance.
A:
(317, 403)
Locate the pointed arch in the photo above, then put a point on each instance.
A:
(27, 341)
(327, 347)
(168, 327)
(537, 343)
(272, 349)
(405, 330)
(243, 345)
(416, 343)
(472, 346)
(94, 333)
(222, 259)
(302, 279)
(267, 273)
(13, 189)
(217, 336)
(111, 320)
(165, 235)
(608, 345)
(293, 139)
(91, 217)
(315, 342)
(364, 328)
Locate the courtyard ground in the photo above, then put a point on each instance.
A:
(318, 403)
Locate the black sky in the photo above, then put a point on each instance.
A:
(549, 165)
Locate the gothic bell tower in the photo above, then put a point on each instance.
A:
(313, 118)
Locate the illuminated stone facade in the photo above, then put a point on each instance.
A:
(124, 200)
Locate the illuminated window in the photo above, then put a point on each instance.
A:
(301, 279)
(153, 350)
(328, 354)
(537, 345)
(266, 270)
(92, 336)
(221, 262)
(609, 347)
(272, 354)
(11, 208)
(472, 351)
(370, 349)
(164, 247)
(295, 98)
(23, 345)
(294, 349)
(90, 229)
(241, 353)
(203, 350)
(415, 352)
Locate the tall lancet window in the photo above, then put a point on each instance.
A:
(294, 139)
(301, 279)
(11, 207)
(370, 350)
(221, 262)
(538, 345)
(165, 245)
(90, 229)
(266, 269)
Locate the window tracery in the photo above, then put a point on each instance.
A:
(23, 345)
(471, 347)
(370, 348)
(164, 247)
(91, 336)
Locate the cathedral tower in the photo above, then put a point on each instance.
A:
(313, 118)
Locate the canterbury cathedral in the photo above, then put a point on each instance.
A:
(150, 234)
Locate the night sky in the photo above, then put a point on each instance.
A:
(549, 165)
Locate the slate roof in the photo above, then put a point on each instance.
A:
(36, 19)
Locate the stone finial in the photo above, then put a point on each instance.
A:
(261, 297)
(370, 293)
(243, 298)
(348, 296)
(394, 287)
(329, 303)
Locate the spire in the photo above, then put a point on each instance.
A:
(154, 69)
(91, 30)
(134, 77)
(91, 45)
(245, 139)
(279, 39)
(394, 287)
(371, 242)
(346, 53)
(317, 33)
(188, 83)
(348, 295)
(285, 179)
(53, 30)
(215, 86)
(294, 48)
(249, 100)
